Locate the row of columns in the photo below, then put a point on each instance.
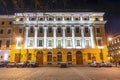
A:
(63, 30)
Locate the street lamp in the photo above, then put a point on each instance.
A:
(109, 40)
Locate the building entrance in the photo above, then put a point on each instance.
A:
(39, 57)
(79, 58)
(17, 58)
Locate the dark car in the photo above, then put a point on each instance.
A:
(63, 64)
(3, 63)
(32, 64)
(22, 64)
(11, 64)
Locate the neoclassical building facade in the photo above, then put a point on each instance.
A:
(54, 37)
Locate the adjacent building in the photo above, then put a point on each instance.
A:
(114, 47)
(54, 37)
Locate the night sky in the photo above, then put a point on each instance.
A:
(110, 7)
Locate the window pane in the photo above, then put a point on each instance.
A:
(68, 43)
(59, 43)
(20, 30)
(68, 30)
(7, 43)
(40, 30)
(98, 30)
(40, 43)
(86, 30)
(59, 30)
(77, 30)
(87, 43)
(0, 43)
(9, 31)
(99, 42)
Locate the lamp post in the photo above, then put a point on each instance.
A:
(109, 40)
(19, 46)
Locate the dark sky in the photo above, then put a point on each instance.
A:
(110, 7)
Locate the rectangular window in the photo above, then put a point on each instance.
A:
(68, 30)
(39, 42)
(7, 43)
(50, 30)
(40, 30)
(1, 31)
(78, 42)
(0, 43)
(59, 43)
(87, 44)
(68, 43)
(89, 56)
(9, 31)
(31, 30)
(49, 43)
(59, 30)
(30, 43)
(99, 42)
(86, 30)
(97, 30)
(20, 30)
(77, 30)
(3, 23)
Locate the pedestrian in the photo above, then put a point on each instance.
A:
(119, 62)
(115, 63)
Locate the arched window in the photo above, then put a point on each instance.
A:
(69, 56)
(49, 57)
(59, 56)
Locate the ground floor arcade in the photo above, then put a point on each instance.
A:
(55, 56)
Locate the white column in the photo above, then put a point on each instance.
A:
(54, 18)
(45, 37)
(82, 35)
(92, 36)
(63, 18)
(63, 35)
(35, 36)
(54, 35)
(72, 18)
(73, 36)
(26, 37)
(80, 18)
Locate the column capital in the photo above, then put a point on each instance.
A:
(90, 27)
(63, 27)
(45, 27)
(27, 27)
(35, 28)
(55, 28)
(73, 27)
(82, 27)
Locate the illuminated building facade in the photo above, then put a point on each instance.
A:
(51, 38)
(114, 46)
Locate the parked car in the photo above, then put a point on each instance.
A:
(32, 64)
(3, 63)
(11, 64)
(22, 64)
(94, 64)
(105, 64)
(63, 64)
